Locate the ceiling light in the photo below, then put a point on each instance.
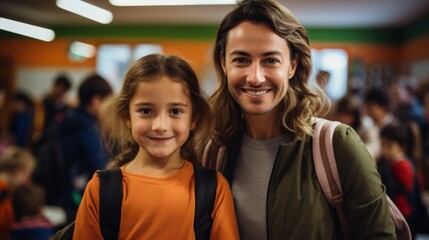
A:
(86, 10)
(170, 2)
(28, 30)
(82, 49)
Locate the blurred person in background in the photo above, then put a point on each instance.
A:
(4, 140)
(424, 99)
(54, 103)
(377, 104)
(405, 104)
(81, 142)
(21, 120)
(349, 110)
(16, 167)
(403, 187)
(28, 201)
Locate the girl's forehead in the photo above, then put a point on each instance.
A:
(161, 88)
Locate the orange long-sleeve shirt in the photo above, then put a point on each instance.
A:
(158, 208)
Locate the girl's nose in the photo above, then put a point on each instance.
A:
(255, 75)
(160, 123)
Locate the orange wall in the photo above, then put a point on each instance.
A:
(34, 53)
(416, 49)
(370, 54)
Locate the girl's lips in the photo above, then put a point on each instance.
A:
(158, 139)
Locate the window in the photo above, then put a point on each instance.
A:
(114, 60)
(334, 61)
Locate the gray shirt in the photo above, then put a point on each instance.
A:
(250, 184)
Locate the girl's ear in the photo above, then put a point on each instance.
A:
(128, 122)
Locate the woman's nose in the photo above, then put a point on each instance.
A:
(255, 75)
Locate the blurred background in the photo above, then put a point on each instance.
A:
(361, 43)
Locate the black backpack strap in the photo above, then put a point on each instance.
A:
(110, 202)
(205, 195)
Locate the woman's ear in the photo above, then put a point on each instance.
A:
(293, 65)
(193, 124)
(222, 62)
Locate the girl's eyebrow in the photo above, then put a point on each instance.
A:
(178, 104)
(142, 104)
(149, 104)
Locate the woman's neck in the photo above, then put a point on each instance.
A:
(263, 127)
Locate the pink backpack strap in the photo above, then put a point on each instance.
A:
(326, 168)
(213, 156)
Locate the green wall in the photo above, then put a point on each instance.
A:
(396, 35)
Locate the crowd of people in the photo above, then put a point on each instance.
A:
(256, 131)
(394, 130)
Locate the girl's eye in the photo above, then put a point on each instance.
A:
(176, 111)
(145, 111)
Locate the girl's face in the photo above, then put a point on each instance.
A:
(390, 149)
(258, 67)
(160, 118)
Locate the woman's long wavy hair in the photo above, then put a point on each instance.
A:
(117, 136)
(300, 102)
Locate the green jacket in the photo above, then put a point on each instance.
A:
(296, 206)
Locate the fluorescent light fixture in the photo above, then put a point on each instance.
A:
(86, 10)
(28, 30)
(82, 49)
(170, 2)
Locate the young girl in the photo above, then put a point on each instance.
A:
(16, 166)
(155, 124)
(401, 180)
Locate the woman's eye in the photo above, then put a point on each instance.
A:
(239, 60)
(272, 60)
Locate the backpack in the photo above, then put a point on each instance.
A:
(327, 174)
(111, 201)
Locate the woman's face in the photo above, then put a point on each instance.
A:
(258, 67)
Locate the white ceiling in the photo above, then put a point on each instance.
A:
(311, 13)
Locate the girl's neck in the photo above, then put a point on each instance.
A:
(398, 157)
(146, 165)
